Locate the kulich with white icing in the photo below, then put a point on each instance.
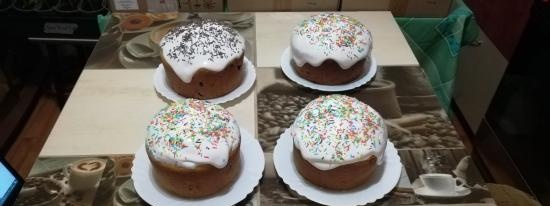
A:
(201, 44)
(337, 130)
(330, 36)
(191, 133)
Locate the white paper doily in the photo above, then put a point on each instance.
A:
(288, 69)
(252, 166)
(162, 87)
(383, 180)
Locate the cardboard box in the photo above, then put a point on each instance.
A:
(365, 5)
(162, 6)
(143, 6)
(314, 5)
(251, 5)
(282, 5)
(201, 5)
(420, 8)
(124, 6)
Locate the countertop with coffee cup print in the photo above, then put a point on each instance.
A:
(425, 138)
(107, 112)
(443, 151)
(116, 186)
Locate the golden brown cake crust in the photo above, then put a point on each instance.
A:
(202, 181)
(341, 178)
(207, 84)
(330, 73)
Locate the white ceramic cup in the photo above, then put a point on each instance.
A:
(85, 174)
(439, 183)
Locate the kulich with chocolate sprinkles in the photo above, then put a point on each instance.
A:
(192, 132)
(201, 44)
(330, 36)
(337, 130)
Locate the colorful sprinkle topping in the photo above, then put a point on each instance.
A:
(330, 36)
(192, 132)
(330, 33)
(336, 129)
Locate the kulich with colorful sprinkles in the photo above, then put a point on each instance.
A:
(330, 36)
(193, 132)
(331, 48)
(338, 134)
(194, 147)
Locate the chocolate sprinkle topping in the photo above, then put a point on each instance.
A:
(204, 37)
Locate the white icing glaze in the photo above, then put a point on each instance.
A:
(337, 130)
(203, 43)
(330, 36)
(192, 132)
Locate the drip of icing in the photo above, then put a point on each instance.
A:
(202, 43)
(192, 132)
(330, 36)
(337, 130)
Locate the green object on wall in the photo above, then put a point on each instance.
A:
(436, 43)
(102, 21)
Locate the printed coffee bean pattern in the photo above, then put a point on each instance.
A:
(274, 193)
(428, 129)
(45, 190)
(276, 112)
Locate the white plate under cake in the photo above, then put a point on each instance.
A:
(383, 180)
(162, 87)
(289, 70)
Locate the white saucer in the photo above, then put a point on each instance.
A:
(232, 17)
(143, 40)
(288, 69)
(252, 163)
(382, 181)
(425, 192)
(129, 61)
(162, 87)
